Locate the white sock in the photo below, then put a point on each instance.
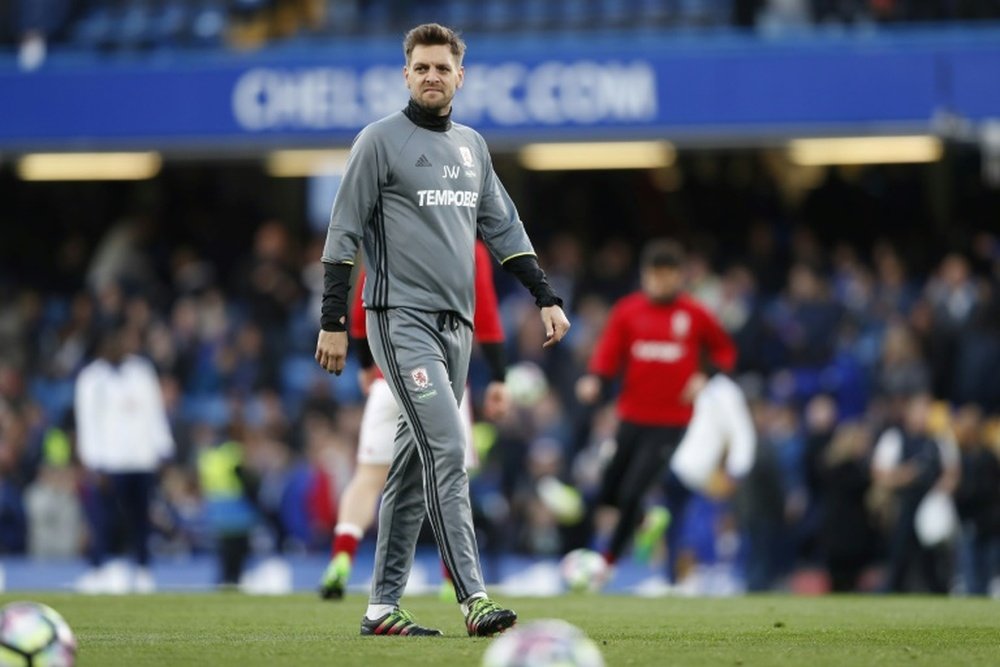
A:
(349, 529)
(377, 611)
(468, 601)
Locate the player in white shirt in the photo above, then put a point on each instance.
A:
(721, 428)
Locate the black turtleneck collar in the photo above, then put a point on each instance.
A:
(425, 119)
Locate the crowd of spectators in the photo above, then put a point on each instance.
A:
(838, 338)
(131, 26)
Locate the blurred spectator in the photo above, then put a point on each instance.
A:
(909, 461)
(123, 438)
(55, 517)
(820, 420)
(270, 285)
(902, 371)
(978, 502)
(760, 510)
(610, 273)
(782, 432)
(848, 539)
(805, 320)
(37, 22)
(13, 522)
(894, 294)
(977, 363)
(952, 297)
(121, 258)
(229, 489)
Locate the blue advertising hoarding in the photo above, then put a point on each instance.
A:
(737, 87)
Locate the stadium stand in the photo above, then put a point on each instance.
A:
(849, 290)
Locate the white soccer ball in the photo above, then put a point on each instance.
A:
(526, 383)
(583, 571)
(544, 643)
(34, 635)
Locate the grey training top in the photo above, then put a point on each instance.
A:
(415, 197)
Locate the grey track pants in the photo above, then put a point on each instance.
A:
(425, 359)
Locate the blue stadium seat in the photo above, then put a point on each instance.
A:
(460, 14)
(539, 14)
(133, 30)
(576, 14)
(614, 13)
(208, 24)
(247, 7)
(498, 15)
(377, 17)
(427, 11)
(343, 17)
(170, 23)
(654, 12)
(93, 30)
(703, 12)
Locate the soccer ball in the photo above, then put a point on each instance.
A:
(544, 643)
(34, 635)
(583, 571)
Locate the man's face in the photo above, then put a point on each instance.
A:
(662, 282)
(432, 76)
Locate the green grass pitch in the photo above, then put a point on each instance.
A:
(225, 630)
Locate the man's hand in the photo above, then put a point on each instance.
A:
(693, 387)
(556, 325)
(720, 486)
(496, 401)
(331, 350)
(588, 389)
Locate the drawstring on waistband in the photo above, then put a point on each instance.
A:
(448, 319)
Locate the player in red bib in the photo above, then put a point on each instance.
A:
(356, 512)
(664, 346)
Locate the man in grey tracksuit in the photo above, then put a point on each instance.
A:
(416, 190)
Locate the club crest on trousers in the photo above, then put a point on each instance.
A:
(420, 378)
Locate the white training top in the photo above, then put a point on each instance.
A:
(721, 428)
(120, 418)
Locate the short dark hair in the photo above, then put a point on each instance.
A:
(433, 34)
(662, 252)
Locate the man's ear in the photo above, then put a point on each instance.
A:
(461, 76)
